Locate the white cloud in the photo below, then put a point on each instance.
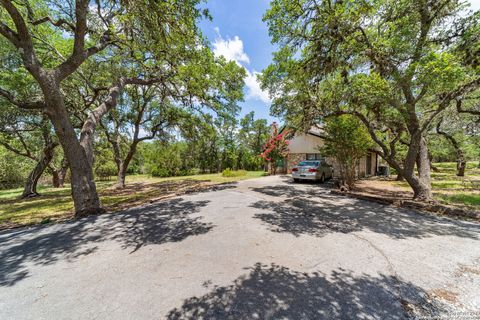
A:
(232, 50)
(254, 90)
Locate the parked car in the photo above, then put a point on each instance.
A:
(316, 170)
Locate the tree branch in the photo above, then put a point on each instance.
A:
(21, 39)
(59, 23)
(16, 151)
(110, 103)
(21, 104)
(447, 99)
(80, 54)
(20, 25)
(461, 110)
(8, 33)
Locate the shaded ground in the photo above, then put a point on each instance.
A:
(165, 222)
(276, 292)
(260, 249)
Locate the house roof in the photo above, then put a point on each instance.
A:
(316, 134)
(314, 131)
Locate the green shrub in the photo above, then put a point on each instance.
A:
(347, 140)
(233, 173)
(13, 169)
(105, 170)
(160, 172)
(157, 171)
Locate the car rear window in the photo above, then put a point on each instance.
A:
(309, 163)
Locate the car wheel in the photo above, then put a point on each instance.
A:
(322, 179)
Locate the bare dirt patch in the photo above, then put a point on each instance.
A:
(468, 269)
(445, 294)
(383, 188)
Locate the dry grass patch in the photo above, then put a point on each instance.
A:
(56, 204)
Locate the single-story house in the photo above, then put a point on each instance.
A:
(306, 146)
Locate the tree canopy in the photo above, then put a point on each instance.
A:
(73, 61)
(395, 65)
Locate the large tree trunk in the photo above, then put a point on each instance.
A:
(121, 175)
(422, 188)
(84, 191)
(122, 167)
(420, 184)
(417, 154)
(30, 189)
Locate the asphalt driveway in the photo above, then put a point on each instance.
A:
(258, 249)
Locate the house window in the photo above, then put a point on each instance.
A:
(314, 156)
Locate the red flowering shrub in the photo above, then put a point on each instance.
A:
(276, 147)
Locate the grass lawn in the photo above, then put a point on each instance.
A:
(450, 189)
(56, 204)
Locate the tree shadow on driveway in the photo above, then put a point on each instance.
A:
(276, 292)
(168, 221)
(291, 191)
(314, 213)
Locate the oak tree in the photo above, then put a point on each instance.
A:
(395, 65)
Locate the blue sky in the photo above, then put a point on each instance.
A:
(238, 32)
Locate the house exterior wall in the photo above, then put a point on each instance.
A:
(362, 167)
(305, 143)
(374, 163)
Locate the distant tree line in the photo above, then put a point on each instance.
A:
(190, 144)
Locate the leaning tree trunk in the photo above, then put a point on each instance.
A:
(417, 154)
(30, 189)
(84, 191)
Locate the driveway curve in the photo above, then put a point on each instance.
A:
(259, 249)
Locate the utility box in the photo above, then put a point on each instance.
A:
(383, 171)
